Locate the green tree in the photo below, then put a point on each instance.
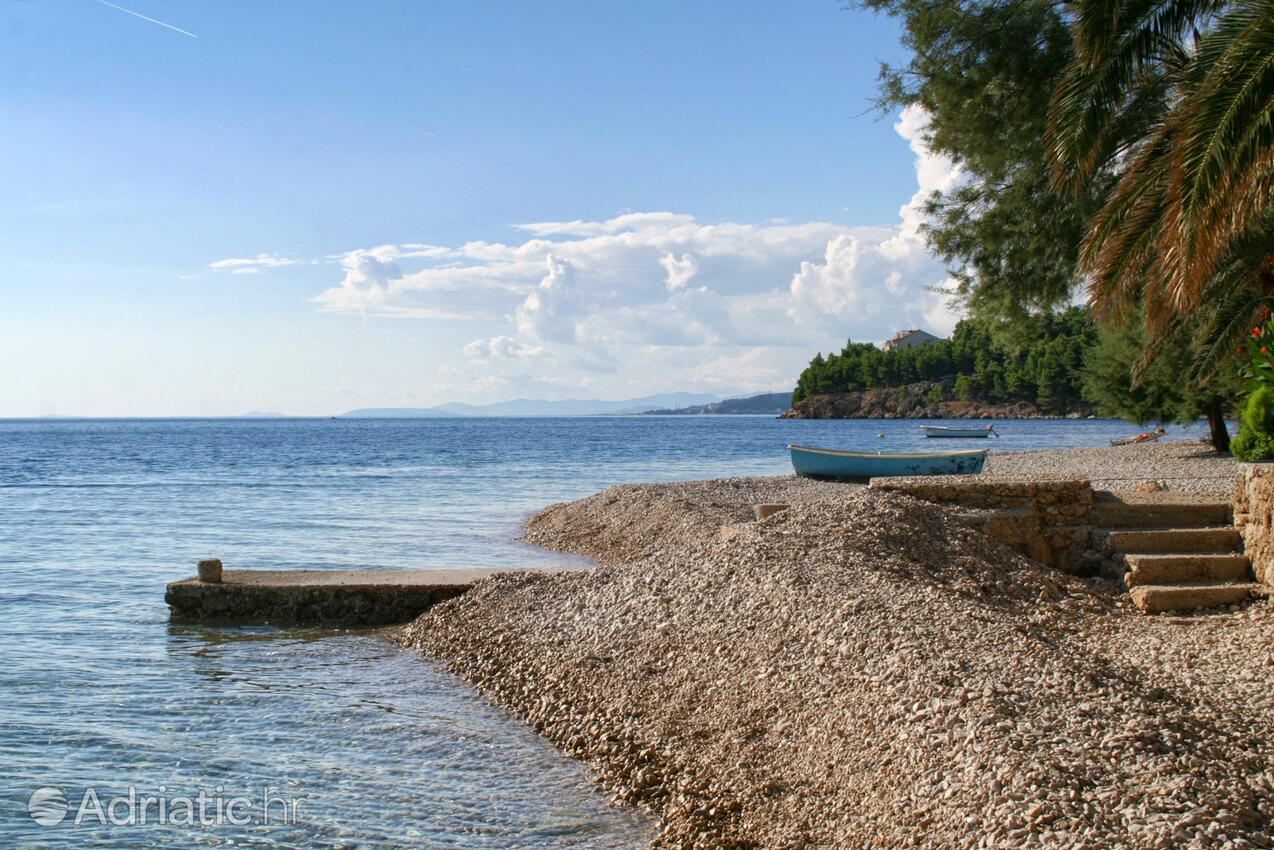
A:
(1163, 391)
(808, 383)
(1045, 363)
(1016, 383)
(1052, 377)
(985, 71)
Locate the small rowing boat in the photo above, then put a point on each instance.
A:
(813, 462)
(947, 431)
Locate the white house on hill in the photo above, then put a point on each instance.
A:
(913, 338)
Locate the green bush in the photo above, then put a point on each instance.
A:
(935, 394)
(1256, 427)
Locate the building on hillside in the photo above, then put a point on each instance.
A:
(913, 338)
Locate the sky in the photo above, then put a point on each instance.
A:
(212, 206)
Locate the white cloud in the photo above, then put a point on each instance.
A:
(679, 271)
(892, 277)
(831, 287)
(521, 384)
(546, 312)
(501, 347)
(934, 172)
(759, 369)
(252, 265)
(374, 282)
(627, 278)
(620, 223)
(940, 315)
(607, 296)
(596, 359)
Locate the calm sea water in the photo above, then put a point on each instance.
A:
(369, 746)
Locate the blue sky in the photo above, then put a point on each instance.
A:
(316, 206)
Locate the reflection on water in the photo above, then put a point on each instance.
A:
(99, 691)
(372, 745)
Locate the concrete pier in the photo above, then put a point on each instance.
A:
(320, 597)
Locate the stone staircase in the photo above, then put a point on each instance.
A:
(1174, 551)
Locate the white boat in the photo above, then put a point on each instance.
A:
(947, 431)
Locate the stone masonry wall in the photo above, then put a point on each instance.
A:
(1253, 506)
(328, 606)
(1045, 520)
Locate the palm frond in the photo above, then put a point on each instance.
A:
(1122, 47)
(1187, 222)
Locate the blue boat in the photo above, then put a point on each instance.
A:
(829, 463)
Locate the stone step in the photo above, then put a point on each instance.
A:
(1154, 598)
(1186, 569)
(1173, 541)
(1158, 510)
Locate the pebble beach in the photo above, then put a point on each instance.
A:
(1185, 465)
(864, 670)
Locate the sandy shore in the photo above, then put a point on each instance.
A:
(862, 670)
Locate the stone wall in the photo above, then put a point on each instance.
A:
(320, 606)
(1253, 506)
(1045, 520)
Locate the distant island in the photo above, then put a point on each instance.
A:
(766, 403)
(539, 407)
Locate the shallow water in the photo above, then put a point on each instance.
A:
(378, 748)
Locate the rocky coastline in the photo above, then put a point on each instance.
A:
(912, 402)
(863, 669)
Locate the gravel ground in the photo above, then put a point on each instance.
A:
(1190, 465)
(617, 525)
(863, 671)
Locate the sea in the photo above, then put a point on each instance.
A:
(121, 728)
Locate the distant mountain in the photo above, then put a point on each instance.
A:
(397, 413)
(767, 403)
(576, 407)
(539, 407)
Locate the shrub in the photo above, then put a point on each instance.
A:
(1259, 366)
(935, 394)
(1256, 427)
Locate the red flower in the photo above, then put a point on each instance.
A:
(1264, 350)
(1238, 350)
(1256, 332)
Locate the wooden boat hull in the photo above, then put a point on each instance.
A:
(947, 431)
(813, 462)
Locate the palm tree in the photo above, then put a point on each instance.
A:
(1175, 100)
